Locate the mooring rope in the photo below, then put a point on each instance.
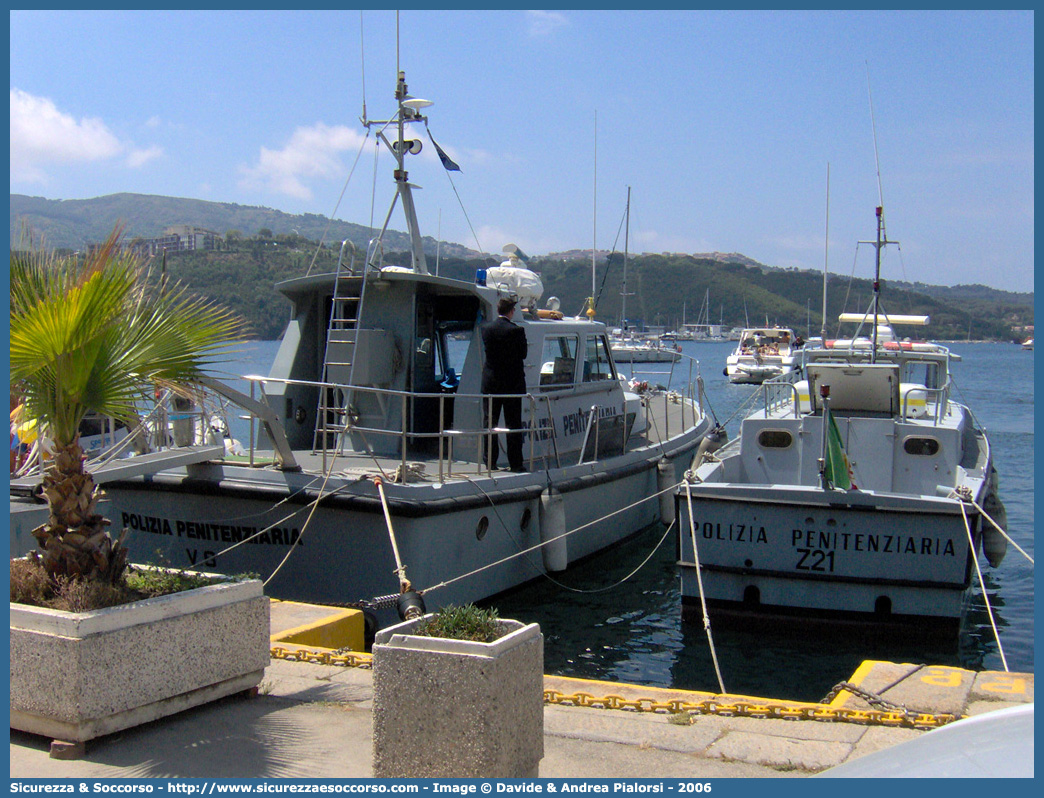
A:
(699, 582)
(1003, 533)
(982, 585)
(547, 542)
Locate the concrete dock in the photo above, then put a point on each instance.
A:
(312, 720)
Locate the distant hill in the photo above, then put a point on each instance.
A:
(669, 288)
(70, 224)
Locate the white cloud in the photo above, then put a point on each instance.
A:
(138, 158)
(545, 23)
(312, 152)
(42, 136)
(153, 121)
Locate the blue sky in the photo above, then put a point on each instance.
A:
(722, 124)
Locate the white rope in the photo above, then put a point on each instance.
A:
(400, 569)
(1003, 533)
(562, 585)
(982, 584)
(699, 582)
(543, 543)
(337, 205)
(308, 520)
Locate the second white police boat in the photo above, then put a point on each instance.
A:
(856, 490)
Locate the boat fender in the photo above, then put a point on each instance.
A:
(410, 605)
(552, 530)
(665, 482)
(712, 441)
(370, 627)
(994, 545)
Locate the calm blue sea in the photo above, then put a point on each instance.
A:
(599, 624)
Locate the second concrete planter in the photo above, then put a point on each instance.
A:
(456, 708)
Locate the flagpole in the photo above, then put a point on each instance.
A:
(824, 392)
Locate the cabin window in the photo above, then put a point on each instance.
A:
(775, 439)
(922, 372)
(597, 365)
(922, 447)
(558, 361)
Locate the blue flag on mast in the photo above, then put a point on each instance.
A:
(447, 162)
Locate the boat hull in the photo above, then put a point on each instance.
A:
(802, 550)
(467, 534)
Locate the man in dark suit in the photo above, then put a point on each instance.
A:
(504, 373)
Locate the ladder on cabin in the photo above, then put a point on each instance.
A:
(341, 333)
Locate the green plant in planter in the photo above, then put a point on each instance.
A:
(89, 334)
(463, 623)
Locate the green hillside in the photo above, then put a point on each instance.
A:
(70, 224)
(668, 289)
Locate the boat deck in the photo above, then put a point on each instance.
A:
(668, 415)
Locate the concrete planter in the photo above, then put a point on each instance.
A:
(77, 676)
(458, 709)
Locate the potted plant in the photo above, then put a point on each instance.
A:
(458, 694)
(90, 334)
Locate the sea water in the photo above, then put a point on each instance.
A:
(617, 616)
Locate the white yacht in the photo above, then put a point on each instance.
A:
(761, 354)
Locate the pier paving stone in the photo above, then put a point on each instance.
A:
(783, 753)
(877, 738)
(569, 758)
(937, 689)
(641, 729)
(797, 729)
(993, 686)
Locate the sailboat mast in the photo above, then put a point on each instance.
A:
(594, 226)
(627, 233)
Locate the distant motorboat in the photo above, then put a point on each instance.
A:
(762, 353)
(1028, 344)
(630, 350)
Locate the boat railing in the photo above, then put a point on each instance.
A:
(693, 389)
(935, 399)
(474, 441)
(781, 392)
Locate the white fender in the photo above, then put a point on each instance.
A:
(553, 529)
(665, 480)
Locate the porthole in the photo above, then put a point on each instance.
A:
(775, 439)
(482, 528)
(921, 447)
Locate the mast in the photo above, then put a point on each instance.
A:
(882, 234)
(623, 288)
(594, 227)
(408, 113)
(826, 258)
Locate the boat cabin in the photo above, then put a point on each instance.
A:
(398, 358)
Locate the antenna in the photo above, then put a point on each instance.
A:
(362, 60)
(826, 257)
(873, 127)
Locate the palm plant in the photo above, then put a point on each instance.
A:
(90, 335)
